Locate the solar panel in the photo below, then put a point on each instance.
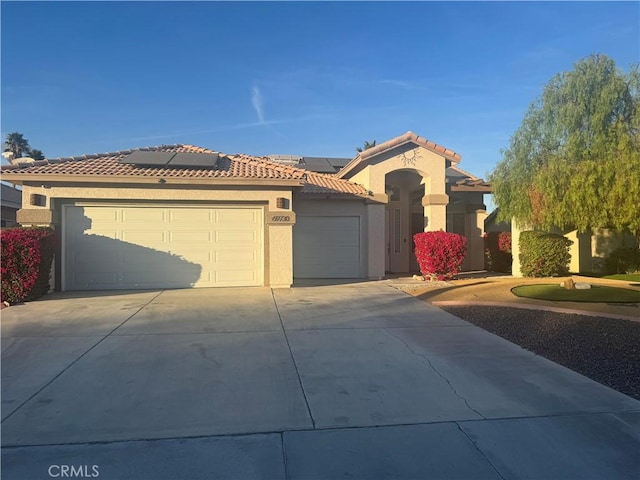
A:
(339, 162)
(195, 160)
(319, 168)
(142, 157)
(324, 164)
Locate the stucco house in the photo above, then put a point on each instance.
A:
(185, 216)
(11, 202)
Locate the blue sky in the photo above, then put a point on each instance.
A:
(302, 78)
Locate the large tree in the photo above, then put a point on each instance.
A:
(575, 160)
(16, 143)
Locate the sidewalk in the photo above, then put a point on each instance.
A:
(487, 288)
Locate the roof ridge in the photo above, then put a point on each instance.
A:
(395, 142)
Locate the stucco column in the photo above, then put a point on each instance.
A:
(515, 247)
(375, 241)
(280, 256)
(475, 217)
(435, 212)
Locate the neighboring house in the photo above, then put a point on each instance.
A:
(589, 249)
(491, 223)
(11, 202)
(182, 216)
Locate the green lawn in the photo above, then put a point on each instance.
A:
(596, 293)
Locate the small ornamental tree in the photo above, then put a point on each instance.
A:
(26, 255)
(439, 254)
(544, 254)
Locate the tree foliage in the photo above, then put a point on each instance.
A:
(367, 145)
(575, 160)
(16, 143)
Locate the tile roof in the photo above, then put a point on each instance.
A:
(395, 142)
(319, 183)
(471, 185)
(239, 166)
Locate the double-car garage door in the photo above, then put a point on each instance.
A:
(138, 247)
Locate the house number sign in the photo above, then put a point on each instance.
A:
(281, 218)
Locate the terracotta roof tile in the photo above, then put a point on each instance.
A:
(318, 183)
(228, 166)
(394, 142)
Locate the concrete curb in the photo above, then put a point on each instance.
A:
(526, 306)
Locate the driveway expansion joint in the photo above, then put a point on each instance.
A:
(287, 476)
(426, 359)
(475, 445)
(318, 429)
(293, 359)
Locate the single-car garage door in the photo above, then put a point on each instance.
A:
(326, 247)
(147, 247)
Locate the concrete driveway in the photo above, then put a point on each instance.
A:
(344, 381)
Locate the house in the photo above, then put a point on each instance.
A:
(11, 202)
(491, 223)
(588, 251)
(182, 216)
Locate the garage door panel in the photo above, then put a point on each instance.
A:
(231, 216)
(144, 237)
(194, 237)
(143, 215)
(101, 216)
(191, 216)
(162, 247)
(232, 277)
(236, 236)
(96, 278)
(327, 247)
(234, 256)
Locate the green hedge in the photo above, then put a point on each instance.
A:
(623, 260)
(544, 254)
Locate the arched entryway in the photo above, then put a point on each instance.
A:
(404, 217)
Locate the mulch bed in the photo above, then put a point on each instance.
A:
(603, 349)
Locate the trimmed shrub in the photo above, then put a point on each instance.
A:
(623, 260)
(544, 254)
(26, 257)
(439, 254)
(497, 251)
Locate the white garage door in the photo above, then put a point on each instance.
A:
(326, 247)
(117, 247)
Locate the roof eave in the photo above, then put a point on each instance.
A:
(159, 179)
(472, 188)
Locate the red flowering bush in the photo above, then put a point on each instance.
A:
(440, 254)
(25, 256)
(497, 251)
